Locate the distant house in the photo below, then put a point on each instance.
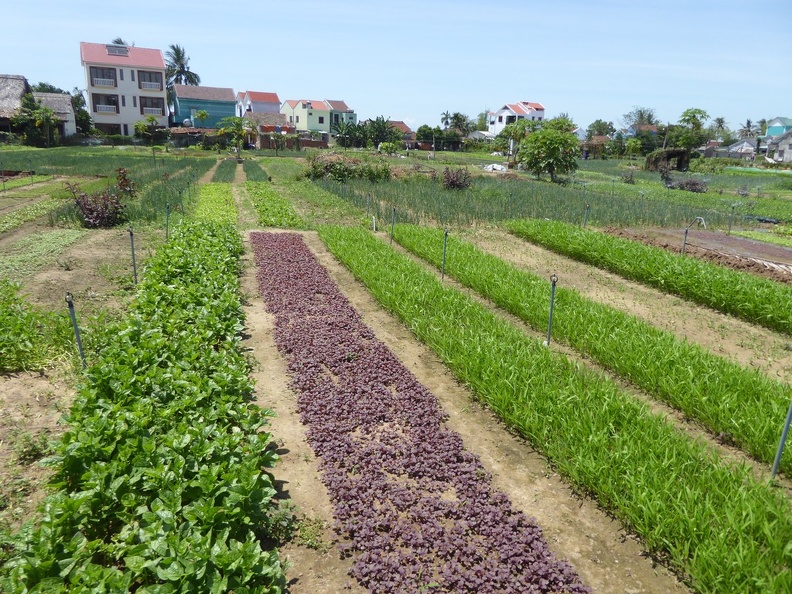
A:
(777, 127)
(257, 102)
(317, 115)
(512, 112)
(61, 104)
(408, 136)
(125, 85)
(781, 148)
(12, 89)
(188, 100)
(742, 148)
(633, 131)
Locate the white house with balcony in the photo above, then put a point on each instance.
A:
(512, 112)
(124, 85)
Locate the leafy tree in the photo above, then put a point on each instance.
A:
(43, 87)
(693, 133)
(512, 135)
(482, 120)
(600, 128)
(640, 116)
(81, 115)
(761, 127)
(36, 123)
(344, 133)
(461, 123)
(632, 147)
(237, 129)
(380, 130)
(148, 129)
(552, 149)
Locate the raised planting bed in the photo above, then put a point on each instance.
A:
(418, 512)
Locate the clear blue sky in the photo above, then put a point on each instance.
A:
(412, 60)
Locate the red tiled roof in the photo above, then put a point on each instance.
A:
(536, 106)
(263, 97)
(204, 93)
(319, 105)
(139, 57)
(292, 102)
(401, 126)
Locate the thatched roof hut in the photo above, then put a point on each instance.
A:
(13, 88)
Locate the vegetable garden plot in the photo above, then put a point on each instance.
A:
(417, 509)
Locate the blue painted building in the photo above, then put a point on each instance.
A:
(188, 100)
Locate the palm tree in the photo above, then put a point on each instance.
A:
(177, 70)
(119, 41)
(748, 130)
(761, 127)
(445, 119)
(719, 127)
(460, 122)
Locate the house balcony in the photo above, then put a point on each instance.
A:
(106, 109)
(150, 86)
(155, 111)
(104, 82)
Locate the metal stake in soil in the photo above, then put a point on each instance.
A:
(134, 264)
(445, 245)
(784, 434)
(70, 304)
(167, 219)
(374, 223)
(553, 281)
(393, 221)
(731, 219)
(585, 215)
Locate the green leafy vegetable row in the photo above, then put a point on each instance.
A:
(215, 203)
(713, 522)
(273, 209)
(161, 478)
(742, 295)
(742, 404)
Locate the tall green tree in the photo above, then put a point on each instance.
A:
(693, 133)
(445, 119)
(37, 123)
(640, 116)
(463, 124)
(552, 149)
(177, 70)
(747, 130)
(237, 129)
(482, 120)
(82, 116)
(600, 128)
(512, 135)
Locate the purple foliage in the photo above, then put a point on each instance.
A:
(417, 510)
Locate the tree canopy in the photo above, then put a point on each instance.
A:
(552, 149)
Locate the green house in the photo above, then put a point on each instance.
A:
(188, 100)
(778, 126)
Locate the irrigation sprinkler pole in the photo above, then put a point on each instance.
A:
(731, 220)
(72, 315)
(445, 246)
(374, 223)
(784, 434)
(684, 242)
(393, 221)
(585, 215)
(134, 264)
(167, 220)
(368, 204)
(553, 281)
(510, 204)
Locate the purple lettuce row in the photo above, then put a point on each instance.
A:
(417, 510)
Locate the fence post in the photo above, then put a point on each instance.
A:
(393, 221)
(784, 434)
(132, 242)
(445, 246)
(585, 215)
(553, 281)
(72, 315)
(167, 220)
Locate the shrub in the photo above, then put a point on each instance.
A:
(341, 168)
(102, 210)
(456, 179)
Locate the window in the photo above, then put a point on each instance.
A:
(132, 75)
(104, 103)
(321, 119)
(149, 81)
(291, 119)
(297, 119)
(134, 100)
(154, 106)
(123, 100)
(117, 50)
(126, 129)
(103, 77)
(121, 73)
(335, 118)
(500, 119)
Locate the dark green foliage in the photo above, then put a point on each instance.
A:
(225, 171)
(254, 172)
(162, 477)
(341, 168)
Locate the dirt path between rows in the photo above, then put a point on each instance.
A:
(605, 556)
